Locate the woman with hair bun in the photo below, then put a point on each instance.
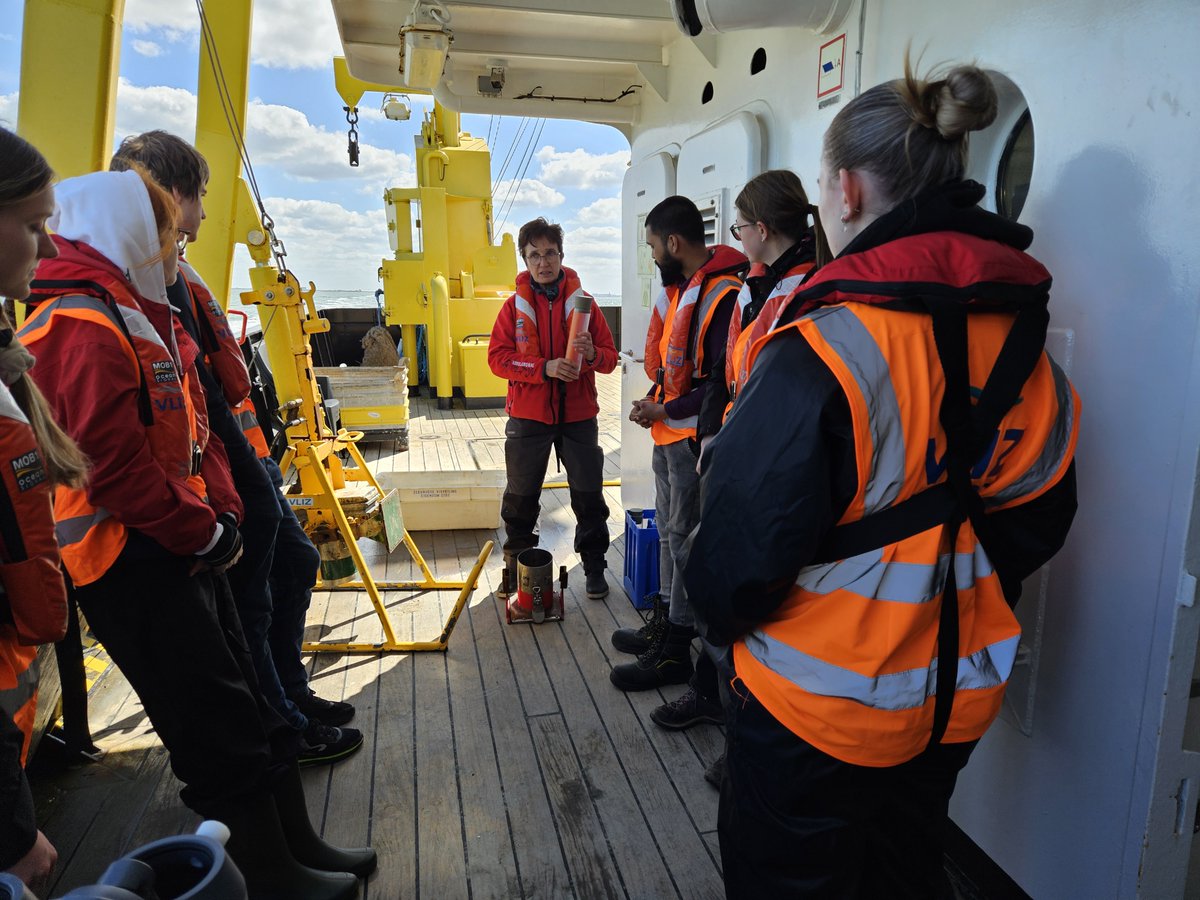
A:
(901, 457)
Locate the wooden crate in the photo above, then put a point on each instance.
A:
(358, 386)
(441, 501)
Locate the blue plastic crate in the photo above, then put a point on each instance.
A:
(641, 557)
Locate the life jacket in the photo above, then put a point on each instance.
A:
(740, 338)
(678, 325)
(247, 418)
(899, 634)
(527, 338)
(221, 349)
(33, 599)
(18, 684)
(223, 354)
(89, 537)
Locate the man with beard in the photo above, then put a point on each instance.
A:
(684, 344)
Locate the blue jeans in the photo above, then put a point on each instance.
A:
(293, 574)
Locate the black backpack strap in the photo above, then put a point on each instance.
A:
(969, 429)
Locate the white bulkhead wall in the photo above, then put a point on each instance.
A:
(1088, 804)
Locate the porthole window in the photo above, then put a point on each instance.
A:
(707, 93)
(1016, 169)
(759, 61)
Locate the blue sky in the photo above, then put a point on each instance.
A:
(330, 215)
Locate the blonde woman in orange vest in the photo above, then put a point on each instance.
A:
(688, 328)
(900, 459)
(35, 455)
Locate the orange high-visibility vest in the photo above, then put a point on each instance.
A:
(848, 661)
(738, 345)
(675, 346)
(90, 538)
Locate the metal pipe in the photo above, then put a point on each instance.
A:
(441, 343)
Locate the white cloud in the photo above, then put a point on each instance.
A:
(146, 108)
(326, 243)
(580, 169)
(147, 48)
(283, 136)
(276, 135)
(8, 110)
(529, 193)
(605, 211)
(595, 252)
(285, 34)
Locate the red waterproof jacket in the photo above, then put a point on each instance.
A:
(529, 332)
(85, 371)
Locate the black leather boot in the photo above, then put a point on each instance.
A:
(258, 846)
(668, 661)
(639, 640)
(306, 845)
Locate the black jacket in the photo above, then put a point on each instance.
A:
(780, 474)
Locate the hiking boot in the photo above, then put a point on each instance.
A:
(715, 773)
(686, 710)
(324, 744)
(638, 640)
(329, 712)
(667, 661)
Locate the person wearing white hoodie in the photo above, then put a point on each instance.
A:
(148, 538)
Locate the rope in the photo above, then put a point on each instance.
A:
(278, 250)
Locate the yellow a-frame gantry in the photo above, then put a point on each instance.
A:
(314, 450)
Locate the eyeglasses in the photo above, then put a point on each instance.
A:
(536, 259)
(734, 229)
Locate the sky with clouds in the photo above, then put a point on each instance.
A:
(329, 214)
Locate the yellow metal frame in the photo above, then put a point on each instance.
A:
(314, 451)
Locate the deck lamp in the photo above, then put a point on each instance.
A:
(425, 41)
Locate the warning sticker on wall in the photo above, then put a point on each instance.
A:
(829, 75)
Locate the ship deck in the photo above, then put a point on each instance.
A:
(506, 767)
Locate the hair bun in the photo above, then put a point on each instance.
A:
(964, 101)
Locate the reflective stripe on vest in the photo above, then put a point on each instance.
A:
(849, 660)
(681, 351)
(90, 539)
(17, 694)
(18, 685)
(247, 419)
(738, 347)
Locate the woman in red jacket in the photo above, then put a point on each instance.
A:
(35, 455)
(147, 541)
(552, 398)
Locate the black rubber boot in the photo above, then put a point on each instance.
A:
(638, 640)
(668, 661)
(258, 846)
(306, 845)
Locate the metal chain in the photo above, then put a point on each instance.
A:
(278, 250)
(352, 144)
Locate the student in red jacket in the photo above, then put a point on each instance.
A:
(148, 539)
(552, 399)
(35, 456)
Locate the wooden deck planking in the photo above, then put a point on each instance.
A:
(506, 767)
